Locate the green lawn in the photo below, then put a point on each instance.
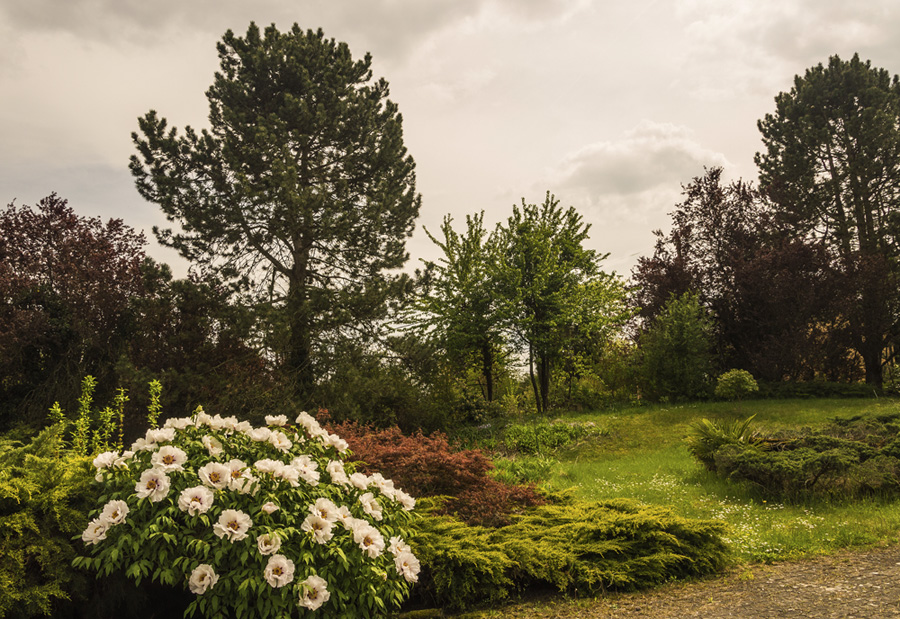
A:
(642, 455)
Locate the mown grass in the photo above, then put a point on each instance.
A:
(641, 454)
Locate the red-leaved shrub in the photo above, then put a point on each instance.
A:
(427, 465)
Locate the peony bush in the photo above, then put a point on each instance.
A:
(254, 521)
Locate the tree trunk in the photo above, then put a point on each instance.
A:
(534, 385)
(298, 361)
(544, 376)
(487, 368)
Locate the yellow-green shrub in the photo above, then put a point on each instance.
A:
(582, 547)
(44, 499)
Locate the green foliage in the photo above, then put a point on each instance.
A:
(552, 292)
(81, 435)
(155, 407)
(677, 359)
(736, 385)
(583, 547)
(707, 437)
(844, 460)
(302, 188)
(44, 499)
(545, 437)
(523, 470)
(815, 389)
(284, 481)
(832, 170)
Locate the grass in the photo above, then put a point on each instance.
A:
(641, 454)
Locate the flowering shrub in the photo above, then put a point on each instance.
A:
(256, 522)
(428, 465)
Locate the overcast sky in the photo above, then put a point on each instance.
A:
(610, 105)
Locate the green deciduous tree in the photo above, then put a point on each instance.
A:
(301, 186)
(677, 350)
(551, 290)
(832, 165)
(459, 308)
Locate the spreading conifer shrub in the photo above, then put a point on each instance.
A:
(44, 497)
(254, 521)
(427, 465)
(580, 547)
(846, 459)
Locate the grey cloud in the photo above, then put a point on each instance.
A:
(650, 156)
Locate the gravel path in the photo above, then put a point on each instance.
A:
(849, 585)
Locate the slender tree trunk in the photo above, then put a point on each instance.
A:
(534, 386)
(298, 360)
(487, 368)
(544, 376)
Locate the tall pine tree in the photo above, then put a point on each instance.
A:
(301, 187)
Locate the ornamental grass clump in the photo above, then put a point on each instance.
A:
(254, 521)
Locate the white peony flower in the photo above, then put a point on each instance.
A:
(243, 427)
(215, 475)
(114, 513)
(345, 517)
(335, 469)
(397, 546)
(153, 484)
(325, 508)
(407, 502)
(280, 441)
(237, 470)
(202, 578)
(313, 592)
(246, 484)
(160, 435)
(95, 532)
(267, 465)
(276, 420)
(260, 435)
(368, 538)
(178, 423)
(307, 468)
(371, 506)
(143, 444)
(289, 474)
(279, 571)
(333, 440)
(196, 500)
(407, 566)
(269, 507)
(320, 528)
(213, 445)
(169, 458)
(202, 419)
(268, 543)
(359, 480)
(105, 460)
(233, 524)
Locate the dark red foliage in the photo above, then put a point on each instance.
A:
(65, 287)
(427, 465)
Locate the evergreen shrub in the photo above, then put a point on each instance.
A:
(580, 547)
(846, 459)
(45, 494)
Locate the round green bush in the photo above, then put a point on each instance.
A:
(736, 385)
